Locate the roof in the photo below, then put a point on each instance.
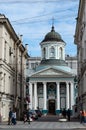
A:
(53, 62)
(52, 36)
(63, 68)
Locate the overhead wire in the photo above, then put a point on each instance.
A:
(27, 1)
(35, 17)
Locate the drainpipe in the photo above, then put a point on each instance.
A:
(16, 74)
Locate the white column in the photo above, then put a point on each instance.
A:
(45, 96)
(35, 96)
(56, 53)
(64, 54)
(67, 95)
(72, 94)
(30, 92)
(58, 96)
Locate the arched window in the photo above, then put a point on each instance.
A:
(52, 52)
(60, 53)
(44, 53)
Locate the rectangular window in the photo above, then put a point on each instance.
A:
(5, 50)
(32, 65)
(4, 82)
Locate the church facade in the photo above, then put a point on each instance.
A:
(51, 84)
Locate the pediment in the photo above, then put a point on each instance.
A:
(51, 72)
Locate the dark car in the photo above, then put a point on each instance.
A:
(39, 113)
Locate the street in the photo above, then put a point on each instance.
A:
(46, 123)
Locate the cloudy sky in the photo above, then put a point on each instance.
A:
(33, 20)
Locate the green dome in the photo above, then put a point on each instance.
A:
(52, 36)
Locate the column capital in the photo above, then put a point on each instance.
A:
(35, 83)
(44, 83)
(30, 83)
(57, 83)
(71, 82)
(67, 82)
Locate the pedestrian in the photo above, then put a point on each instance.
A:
(68, 114)
(28, 116)
(14, 117)
(81, 116)
(10, 116)
(25, 116)
(84, 116)
(64, 113)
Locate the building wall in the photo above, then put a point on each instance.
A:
(72, 62)
(13, 57)
(80, 40)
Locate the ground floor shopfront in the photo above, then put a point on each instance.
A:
(51, 97)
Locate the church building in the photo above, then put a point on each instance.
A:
(51, 84)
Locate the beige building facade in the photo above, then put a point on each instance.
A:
(13, 56)
(80, 41)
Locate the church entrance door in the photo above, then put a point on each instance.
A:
(52, 106)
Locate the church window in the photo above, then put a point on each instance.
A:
(44, 53)
(61, 53)
(52, 52)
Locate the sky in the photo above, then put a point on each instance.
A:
(33, 19)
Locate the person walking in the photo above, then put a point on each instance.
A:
(81, 119)
(64, 113)
(14, 117)
(10, 116)
(28, 116)
(68, 114)
(25, 116)
(84, 114)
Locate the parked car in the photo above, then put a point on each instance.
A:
(39, 113)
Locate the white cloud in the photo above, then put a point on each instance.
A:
(33, 19)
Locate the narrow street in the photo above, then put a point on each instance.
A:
(46, 123)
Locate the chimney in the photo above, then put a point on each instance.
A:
(20, 37)
(26, 47)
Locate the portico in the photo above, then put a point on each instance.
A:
(51, 97)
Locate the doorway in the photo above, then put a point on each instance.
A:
(52, 107)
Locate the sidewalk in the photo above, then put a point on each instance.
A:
(45, 125)
(47, 122)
